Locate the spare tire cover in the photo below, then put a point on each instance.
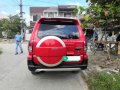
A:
(50, 50)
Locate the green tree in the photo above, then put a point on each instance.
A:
(79, 10)
(11, 26)
(108, 11)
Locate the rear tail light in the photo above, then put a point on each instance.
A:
(30, 46)
(85, 46)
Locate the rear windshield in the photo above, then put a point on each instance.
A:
(63, 30)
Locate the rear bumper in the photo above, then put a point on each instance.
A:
(61, 67)
(58, 69)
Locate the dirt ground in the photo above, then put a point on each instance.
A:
(100, 62)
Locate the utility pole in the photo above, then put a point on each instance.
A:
(21, 17)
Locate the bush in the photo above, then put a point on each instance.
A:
(11, 35)
(104, 81)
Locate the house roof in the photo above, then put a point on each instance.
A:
(66, 6)
(51, 9)
(37, 9)
(48, 9)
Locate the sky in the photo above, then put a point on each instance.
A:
(11, 7)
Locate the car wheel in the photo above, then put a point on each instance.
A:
(84, 67)
(75, 71)
(34, 73)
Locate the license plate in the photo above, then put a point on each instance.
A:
(71, 58)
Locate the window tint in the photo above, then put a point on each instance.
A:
(63, 30)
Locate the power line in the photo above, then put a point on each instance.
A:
(42, 1)
(47, 2)
(16, 1)
(5, 5)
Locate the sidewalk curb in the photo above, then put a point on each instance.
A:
(84, 74)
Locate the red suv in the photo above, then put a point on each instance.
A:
(57, 44)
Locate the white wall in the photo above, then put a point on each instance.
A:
(27, 37)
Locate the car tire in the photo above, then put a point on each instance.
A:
(34, 73)
(76, 71)
(83, 67)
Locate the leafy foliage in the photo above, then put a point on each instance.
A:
(10, 26)
(79, 11)
(106, 10)
(101, 13)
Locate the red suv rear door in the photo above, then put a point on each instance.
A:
(55, 38)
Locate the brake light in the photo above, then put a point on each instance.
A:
(85, 46)
(30, 46)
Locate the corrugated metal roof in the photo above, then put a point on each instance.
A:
(37, 9)
(51, 9)
(66, 6)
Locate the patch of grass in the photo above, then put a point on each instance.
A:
(104, 81)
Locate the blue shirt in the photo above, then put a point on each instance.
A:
(18, 37)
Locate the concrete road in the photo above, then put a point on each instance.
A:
(14, 74)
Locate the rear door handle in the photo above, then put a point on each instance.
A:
(77, 48)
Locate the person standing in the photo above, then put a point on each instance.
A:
(95, 35)
(19, 40)
(95, 38)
